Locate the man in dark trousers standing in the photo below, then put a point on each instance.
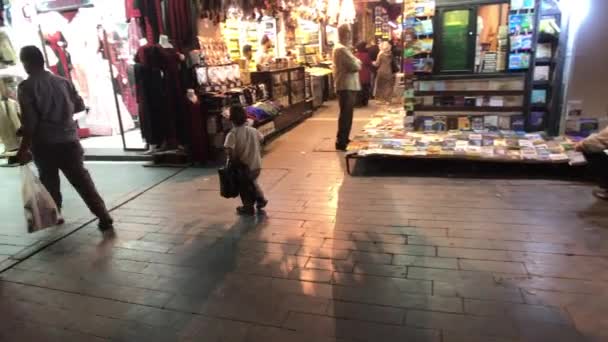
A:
(48, 103)
(346, 76)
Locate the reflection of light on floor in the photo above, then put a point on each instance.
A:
(133, 139)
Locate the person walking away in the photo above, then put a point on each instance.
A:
(48, 103)
(243, 147)
(365, 74)
(385, 78)
(593, 147)
(346, 77)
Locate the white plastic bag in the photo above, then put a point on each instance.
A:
(40, 209)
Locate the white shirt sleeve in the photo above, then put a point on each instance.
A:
(230, 141)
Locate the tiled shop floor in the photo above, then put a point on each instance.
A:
(336, 258)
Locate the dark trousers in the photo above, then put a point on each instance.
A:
(598, 168)
(249, 188)
(69, 158)
(347, 100)
(364, 95)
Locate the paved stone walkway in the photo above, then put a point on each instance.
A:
(117, 182)
(336, 258)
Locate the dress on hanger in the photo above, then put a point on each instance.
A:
(7, 52)
(92, 76)
(58, 45)
(9, 124)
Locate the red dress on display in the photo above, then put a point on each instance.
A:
(57, 43)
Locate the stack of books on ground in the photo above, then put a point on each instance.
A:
(385, 134)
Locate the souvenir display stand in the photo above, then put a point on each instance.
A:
(290, 88)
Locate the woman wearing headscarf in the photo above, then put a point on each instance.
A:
(385, 78)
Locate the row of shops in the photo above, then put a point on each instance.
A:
(158, 76)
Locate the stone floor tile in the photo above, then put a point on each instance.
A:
(517, 312)
(394, 271)
(374, 282)
(366, 312)
(321, 276)
(421, 261)
(464, 323)
(364, 331)
(330, 265)
(492, 266)
(476, 290)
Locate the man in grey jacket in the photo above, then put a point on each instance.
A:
(48, 103)
(346, 77)
(594, 148)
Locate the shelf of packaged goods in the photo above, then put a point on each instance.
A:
(420, 108)
(470, 93)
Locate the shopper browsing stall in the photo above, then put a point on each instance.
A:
(48, 103)
(243, 147)
(365, 74)
(346, 77)
(385, 79)
(593, 147)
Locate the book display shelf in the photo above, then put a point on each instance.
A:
(482, 83)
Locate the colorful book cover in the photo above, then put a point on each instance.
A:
(504, 122)
(477, 123)
(537, 120)
(464, 123)
(440, 124)
(518, 123)
(541, 73)
(539, 96)
(490, 122)
(544, 50)
(452, 123)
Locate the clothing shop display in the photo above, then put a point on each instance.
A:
(58, 45)
(91, 75)
(9, 124)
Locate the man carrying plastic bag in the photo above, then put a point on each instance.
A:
(48, 103)
(40, 209)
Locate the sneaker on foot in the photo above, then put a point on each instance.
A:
(262, 204)
(245, 211)
(60, 220)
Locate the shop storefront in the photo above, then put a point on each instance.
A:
(158, 76)
(483, 81)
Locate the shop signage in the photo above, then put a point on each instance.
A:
(61, 5)
(267, 129)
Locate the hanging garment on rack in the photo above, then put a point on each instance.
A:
(151, 94)
(178, 131)
(151, 11)
(179, 23)
(9, 124)
(7, 52)
(131, 11)
(58, 45)
(1, 12)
